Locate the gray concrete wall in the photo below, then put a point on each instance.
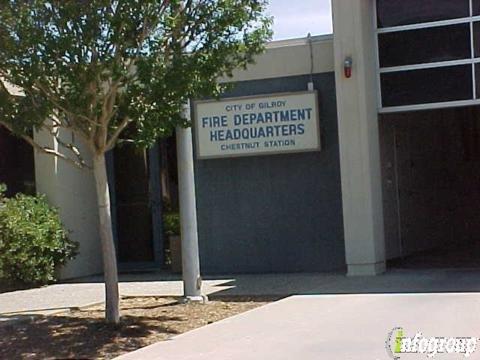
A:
(278, 213)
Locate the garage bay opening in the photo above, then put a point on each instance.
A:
(431, 187)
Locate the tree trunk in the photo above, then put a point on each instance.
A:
(112, 312)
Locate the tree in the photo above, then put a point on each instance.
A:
(105, 71)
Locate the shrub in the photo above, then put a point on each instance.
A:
(33, 242)
(171, 223)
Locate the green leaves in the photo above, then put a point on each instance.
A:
(100, 64)
(171, 223)
(33, 242)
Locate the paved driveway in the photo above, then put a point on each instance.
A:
(336, 327)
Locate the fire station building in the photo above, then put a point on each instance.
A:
(352, 152)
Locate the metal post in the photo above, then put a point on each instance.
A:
(192, 282)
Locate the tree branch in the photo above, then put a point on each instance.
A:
(113, 139)
(56, 101)
(48, 150)
(109, 100)
(75, 151)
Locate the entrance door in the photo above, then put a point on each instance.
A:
(132, 200)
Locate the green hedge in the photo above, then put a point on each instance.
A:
(33, 242)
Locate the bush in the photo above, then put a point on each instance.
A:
(171, 223)
(33, 242)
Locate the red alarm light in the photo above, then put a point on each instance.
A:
(347, 67)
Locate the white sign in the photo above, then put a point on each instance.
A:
(267, 124)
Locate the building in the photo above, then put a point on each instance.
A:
(397, 174)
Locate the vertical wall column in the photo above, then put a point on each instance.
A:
(354, 37)
(73, 192)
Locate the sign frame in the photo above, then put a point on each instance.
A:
(258, 96)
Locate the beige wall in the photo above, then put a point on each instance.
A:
(353, 23)
(73, 191)
(290, 58)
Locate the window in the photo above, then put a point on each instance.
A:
(476, 7)
(423, 86)
(406, 12)
(428, 53)
(476, 39)
(477, 80)
(409, 47)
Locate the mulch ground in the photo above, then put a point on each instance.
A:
(82, 334)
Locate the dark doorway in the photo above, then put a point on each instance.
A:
(431, 186)
(144, 191)
(17, 167)
(132, 200)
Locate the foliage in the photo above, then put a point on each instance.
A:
(100, 67)
(171, 223)
(33, 242)
(99, 71)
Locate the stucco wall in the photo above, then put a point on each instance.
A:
(279, 213)
(359, 140)
(72, 191)
(290, 58)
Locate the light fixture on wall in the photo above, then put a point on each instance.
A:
(347, 67)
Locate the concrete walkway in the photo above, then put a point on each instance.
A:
(83, 292)
(62, 297)
(327, 327)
